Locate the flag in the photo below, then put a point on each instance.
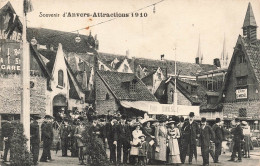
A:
(27, 6)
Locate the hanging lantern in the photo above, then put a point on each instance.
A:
(33, 41)
(153, 8)
(78, 39)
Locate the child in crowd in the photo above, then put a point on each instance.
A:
(143, 146)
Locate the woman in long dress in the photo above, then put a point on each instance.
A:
(149, 133)
(173, 135)
(160, 137)
(135, 143)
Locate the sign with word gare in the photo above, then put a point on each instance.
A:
(10, 54)
(241, 94)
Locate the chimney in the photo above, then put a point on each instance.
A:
(162, 57)
(249, 26)
(197, 60)
(216, 62)
(128, 55)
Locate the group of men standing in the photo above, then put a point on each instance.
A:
(210, 138)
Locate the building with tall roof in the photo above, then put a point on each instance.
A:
(240, 94)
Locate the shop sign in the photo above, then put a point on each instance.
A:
(10, 57)
(241, 94)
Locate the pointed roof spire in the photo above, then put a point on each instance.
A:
(249, 18)
(224, 52)
(199, 50)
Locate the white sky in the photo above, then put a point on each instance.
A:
(176, 22)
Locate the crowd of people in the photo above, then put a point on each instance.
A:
(142, 141)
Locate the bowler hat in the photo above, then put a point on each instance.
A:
(237, 120)
(48, 117)
(36, 117)
(203, 119)
(217, 120)
(80, 118)
(191, 114)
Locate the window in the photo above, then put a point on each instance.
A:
(242, 58)
(107, 96)
(60, 78)
(241, 81)
(159, 76)
(125, 68)
(132, 87)
(102, 67)
(193, 89)
(242, 112)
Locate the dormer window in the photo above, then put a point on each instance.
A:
(132, 86)
(102, 68)
(60, 78)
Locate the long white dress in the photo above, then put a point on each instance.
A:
(174, 155)
(136, 140)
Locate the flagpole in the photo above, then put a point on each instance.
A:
(175, 82)
(25, 79)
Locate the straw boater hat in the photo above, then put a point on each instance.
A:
(148, 120)
(244, 123)
(141, 136)
(170, 122)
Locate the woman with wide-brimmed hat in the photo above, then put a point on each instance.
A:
(150, 138)
(160, 137)
(173, 135)
(134, 144)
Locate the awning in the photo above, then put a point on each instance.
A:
(156, 108)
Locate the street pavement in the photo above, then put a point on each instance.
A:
(72, 161)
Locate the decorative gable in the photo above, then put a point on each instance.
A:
(125, 67)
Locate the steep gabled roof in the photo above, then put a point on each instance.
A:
(51, 38)
(40, 61)
(249, 18)
(253, 53)
(115, 83)
(162, 87)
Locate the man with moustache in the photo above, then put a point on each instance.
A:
(47, 138)
(124, 138)
(35, 138)
(111, 138)
(190, 131)
(219, 136)
(238, 136)
(206, 135)
(64, 133)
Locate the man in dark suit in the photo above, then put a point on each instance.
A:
(219, 136)
(190, 132)
(206, 135)
(35, 138)
(124, 138)
(238, 136)
(111, 138)
(64, 133)
(47, 138)
(7, 133)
